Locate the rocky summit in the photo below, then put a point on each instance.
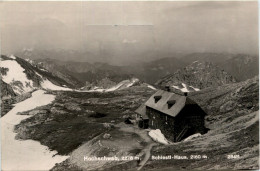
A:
(199, 75)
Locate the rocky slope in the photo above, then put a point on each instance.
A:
(151, 71)
(198, 75)
(242, 67)
(58, 71)
(7, 97)
(82, 73)
(6, 90)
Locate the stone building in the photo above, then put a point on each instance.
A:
(177, 116)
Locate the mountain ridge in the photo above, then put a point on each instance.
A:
(200, 75)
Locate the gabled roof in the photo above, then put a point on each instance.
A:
(162, 105)
(142, 111)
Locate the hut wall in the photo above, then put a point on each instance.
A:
(191, 116)
(159, 120)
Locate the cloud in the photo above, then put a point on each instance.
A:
(177, 26)
(129, 41)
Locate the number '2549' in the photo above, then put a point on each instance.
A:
(233, 156)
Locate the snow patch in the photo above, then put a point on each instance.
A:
(26, 154)
(176, 87)
(185, 88)
(192, 136)
(122, 85)
(29, 60)
(151, 87)
(196, 89)
(132, 81)
(43, 69)
(157, 136)
(116, 87)
(46, 84)
(16, 77)
(12, 57)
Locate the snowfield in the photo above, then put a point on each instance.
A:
(20, 83)
(16, 74)
(157, 136)
(122, 85)
(28, 154)
(46, 84)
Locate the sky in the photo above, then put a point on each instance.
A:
(129, 31)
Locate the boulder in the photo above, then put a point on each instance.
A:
(106, 136)
(56, 110)
(107, 125)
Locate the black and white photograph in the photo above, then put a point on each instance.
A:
(129, 85)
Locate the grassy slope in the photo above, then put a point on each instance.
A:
(75, 118)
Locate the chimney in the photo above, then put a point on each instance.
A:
(185, 93)
(167, 88)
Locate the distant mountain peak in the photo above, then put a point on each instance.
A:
(197, 75)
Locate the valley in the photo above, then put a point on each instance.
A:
(98, 119)
(75, 124)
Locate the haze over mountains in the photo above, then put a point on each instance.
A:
(239, 66)
(128, 32)
(192, 72)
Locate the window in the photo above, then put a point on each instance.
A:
(157, 98)
(170, 103)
